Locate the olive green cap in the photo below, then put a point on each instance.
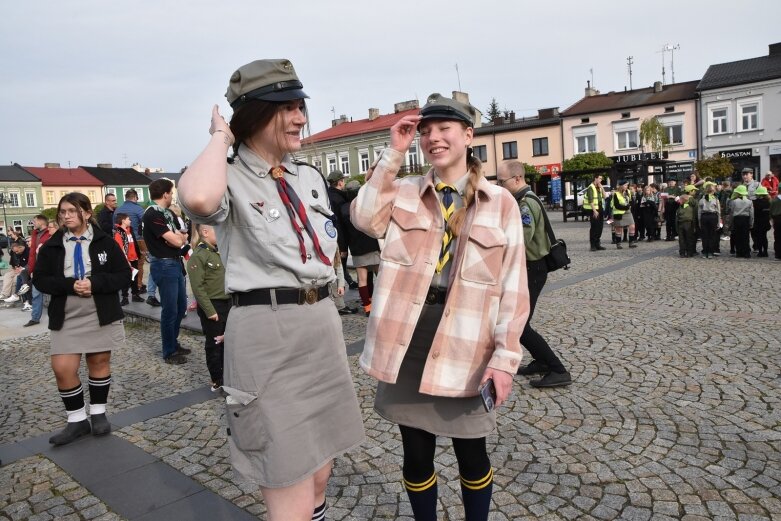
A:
(268, 80)
(335, 175)
(440, 107)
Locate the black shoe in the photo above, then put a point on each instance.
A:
(72, 432)
(600, 247)
(176, 359)
(593, 248)
(347, 311)
(137, 298)
(152, 301)
(142, 289)
(352, 285)
(32, 323)
(100, 425)
(632, 244)
(182, 350)
(535, 367)
(619, 247)
(124, 301)
(553, 380)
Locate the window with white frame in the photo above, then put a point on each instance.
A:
(344, 159)
(718, 118)
(140, 191)
(18, 225)
(13, 199)
(625, 135)
(585, 139)
(748, 114)
(377, 152)
(331, 163)
(30, 199)
(365, 163)
(91, 196)
(49, 197)
(317, 163)
(674, 134)
(412, 155)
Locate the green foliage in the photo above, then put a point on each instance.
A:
(587, 161)
(532, 175)
(715, 167)
(50, 213)
(493, 111)
(653, 135)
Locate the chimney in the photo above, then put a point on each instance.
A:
(105, 165)
(512, 116)
(775, 49)
(374, 114)
(342, 119)
(498, 120)
(550, 113)
(657, 86)
(461, 97)
(590, 91)
(51, 165)
(405, 105)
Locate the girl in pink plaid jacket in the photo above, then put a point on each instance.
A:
(450, 301)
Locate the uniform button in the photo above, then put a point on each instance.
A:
(308, 255)
(435, 355)
(236, 414)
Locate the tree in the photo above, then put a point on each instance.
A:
(50, 213)
(653, 135)
(587, 161)
(493, 111)
(532, 175)
(715, 167)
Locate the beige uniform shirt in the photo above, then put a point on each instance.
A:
(257, 242)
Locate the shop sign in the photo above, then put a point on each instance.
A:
(743, 152)
(643, 156)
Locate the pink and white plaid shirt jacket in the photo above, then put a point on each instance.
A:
(488, 298)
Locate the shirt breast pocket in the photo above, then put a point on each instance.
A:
(483, 255)
(405, 236)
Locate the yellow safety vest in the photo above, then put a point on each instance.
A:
(589, 197)
(621, 201)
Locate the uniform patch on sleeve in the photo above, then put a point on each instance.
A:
(330, 229)
(526, 216)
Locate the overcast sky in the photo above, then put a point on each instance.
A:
(126, 82)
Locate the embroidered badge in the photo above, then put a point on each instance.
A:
(330, 229)
(526, 216)
(102, 258)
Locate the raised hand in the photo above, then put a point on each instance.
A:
(403, 133)
(219, 125)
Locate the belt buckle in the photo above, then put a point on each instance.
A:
(310, 296)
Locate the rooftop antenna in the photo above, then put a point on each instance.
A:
(629, 63)
(591, 71)
(333, 111)
(672, 49)
(459, 78)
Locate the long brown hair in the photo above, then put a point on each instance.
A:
(475, 167)
(253, 116)
(78, 200)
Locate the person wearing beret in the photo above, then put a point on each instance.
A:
(450, 301)
(742, 210)
(290, 403)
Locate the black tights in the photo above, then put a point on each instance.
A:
(419, 446)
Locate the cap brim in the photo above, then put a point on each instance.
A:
(444, 113)
(284, 95)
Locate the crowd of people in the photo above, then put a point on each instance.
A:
(698, 210)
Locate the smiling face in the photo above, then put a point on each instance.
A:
(444, 142)
(284, 130)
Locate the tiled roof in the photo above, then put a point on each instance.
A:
(118, 176)
(63, 176)
(173, 176)
(517, 125)
(362, 126)
(633, 98)
(741, 72)
(16, 173)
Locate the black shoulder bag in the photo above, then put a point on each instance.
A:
(557, 258)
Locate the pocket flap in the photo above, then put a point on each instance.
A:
(236, 397)
(410, 220)
(487, 237)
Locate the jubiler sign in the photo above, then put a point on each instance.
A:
(744, 152)
(644, 156)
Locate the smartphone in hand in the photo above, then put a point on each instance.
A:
(488, 395)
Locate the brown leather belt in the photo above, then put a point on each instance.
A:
(436, 296)
(262, 297)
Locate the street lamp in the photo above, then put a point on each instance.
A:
(5, 219)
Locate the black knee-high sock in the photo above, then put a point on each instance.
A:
(423, 498)
(74, 403)
(319, 513)
(476, 477)
(98, 394)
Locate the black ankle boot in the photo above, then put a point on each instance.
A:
(100, 425)
(71, 432)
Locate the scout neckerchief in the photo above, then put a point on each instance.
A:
(169, 216)
(447, 206)
(295, 208)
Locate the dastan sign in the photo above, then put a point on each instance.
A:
(643, 156)
(743, 152)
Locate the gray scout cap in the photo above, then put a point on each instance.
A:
(335, 176)
(747, 170)
(268, 80)
(440, 107)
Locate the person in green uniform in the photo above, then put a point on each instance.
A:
(686, 222)
(207, 279)
(670, 206)
(510, 176)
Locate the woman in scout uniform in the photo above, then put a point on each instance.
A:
(709, 216)
(742, 211)
(620, 202)
(761, 220)
(291, 407)
(450, 301)
(686, 222)
(83, 270)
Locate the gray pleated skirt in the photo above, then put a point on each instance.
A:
(295, 406)
(367, 259)
(401, 403)
(81, 332)
(627, 219)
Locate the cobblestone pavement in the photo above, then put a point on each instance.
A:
(674, 413)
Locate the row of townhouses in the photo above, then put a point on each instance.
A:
(25, 191)
(733, 111)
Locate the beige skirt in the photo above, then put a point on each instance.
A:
(367, 259)
(291, 405)
(81, 332)
(401, 403)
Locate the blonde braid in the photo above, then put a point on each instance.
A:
(456, 221)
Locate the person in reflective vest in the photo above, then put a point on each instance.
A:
(593, 205)
(619, 203)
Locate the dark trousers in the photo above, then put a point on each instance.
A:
(777, 236)
(687, 240)
(741, 228)
(709, 225)
(649, 222)
(670, 207)
(595, 231)
(760, 240)
(537, 275)
(213, 328)
(133, 287)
